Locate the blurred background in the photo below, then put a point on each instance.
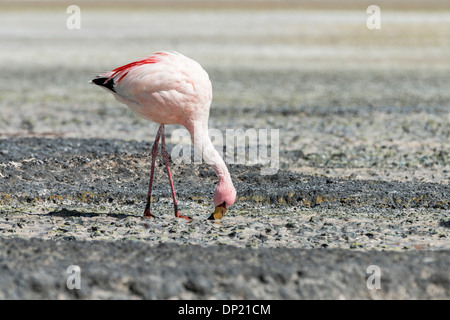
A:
(342, 95)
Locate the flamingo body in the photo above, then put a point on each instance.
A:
(169, 88)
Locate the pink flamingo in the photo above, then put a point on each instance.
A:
(169, 88)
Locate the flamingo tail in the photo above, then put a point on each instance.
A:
(105, 82)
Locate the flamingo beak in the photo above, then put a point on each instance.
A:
(219, 212)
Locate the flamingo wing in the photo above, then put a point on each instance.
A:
(156, 74)
(166, 87)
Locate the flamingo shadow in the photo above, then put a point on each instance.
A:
(66, 213)
(445, 224)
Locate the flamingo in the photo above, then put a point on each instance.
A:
(170, 88)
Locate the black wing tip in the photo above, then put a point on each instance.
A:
(104, 82)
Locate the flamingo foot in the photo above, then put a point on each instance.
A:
(178, 215)
(147, 214)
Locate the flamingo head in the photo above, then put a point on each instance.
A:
(224, 198)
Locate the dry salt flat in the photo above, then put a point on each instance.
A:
(363, 157)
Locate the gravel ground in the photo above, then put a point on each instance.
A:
(95, 189)
(363, 120)
(135, 270)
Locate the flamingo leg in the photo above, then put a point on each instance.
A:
(147, 213)
(165, 155)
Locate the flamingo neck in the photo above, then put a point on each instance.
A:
(212, 157)
(204, 146)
